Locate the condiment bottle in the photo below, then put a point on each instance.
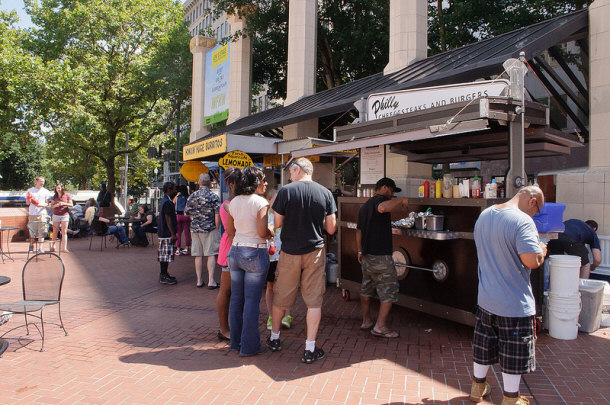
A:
(439, 188)
(433, 190)
(475, 189)
(426, 189)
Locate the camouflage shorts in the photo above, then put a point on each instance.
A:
(379, 278)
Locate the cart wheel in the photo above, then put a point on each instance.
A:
(346, 295)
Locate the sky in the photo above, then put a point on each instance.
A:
(17, 5)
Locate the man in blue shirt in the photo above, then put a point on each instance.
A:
(508, 246)
(572, 242)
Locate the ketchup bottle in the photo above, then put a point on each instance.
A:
(426, 189)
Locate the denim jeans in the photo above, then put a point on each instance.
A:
(249, 268)
(119, 232)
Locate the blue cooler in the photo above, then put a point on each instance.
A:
(550, 218)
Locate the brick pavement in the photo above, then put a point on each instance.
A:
(134, 341)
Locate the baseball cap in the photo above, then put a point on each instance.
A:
(386, 181)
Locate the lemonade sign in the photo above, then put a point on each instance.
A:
(237, 159)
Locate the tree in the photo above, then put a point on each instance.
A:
(21, 153)
(117, 72)
(352, 40)
(463, 22)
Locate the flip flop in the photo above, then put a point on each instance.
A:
(223, 337)
(387, 334)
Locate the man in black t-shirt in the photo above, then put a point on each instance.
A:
(374, 241)
(572, 241)
(303, 209)
(166, 231)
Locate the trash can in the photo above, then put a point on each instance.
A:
(591, 295)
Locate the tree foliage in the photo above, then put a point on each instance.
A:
(116, 70)
(21, 153)
(352, 40)
(465, 22)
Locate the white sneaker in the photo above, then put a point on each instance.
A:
(185, 251)
(40, 250)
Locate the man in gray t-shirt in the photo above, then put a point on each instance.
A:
(508, 247)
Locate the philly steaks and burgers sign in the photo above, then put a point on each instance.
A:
(384, 105)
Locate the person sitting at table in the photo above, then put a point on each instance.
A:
(116, 230)
(149, 225)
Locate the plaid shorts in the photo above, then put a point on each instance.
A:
(509, 340)
(166, 250)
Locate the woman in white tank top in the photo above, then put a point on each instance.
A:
(248, 259)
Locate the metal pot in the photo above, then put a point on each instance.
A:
(420, 223)
(435, 222)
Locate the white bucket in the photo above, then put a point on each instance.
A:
(564, 274)
(563, 316)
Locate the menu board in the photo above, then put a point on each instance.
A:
(372, 164)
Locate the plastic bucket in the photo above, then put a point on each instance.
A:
(564, 274)
(563, 316)
(592, 294)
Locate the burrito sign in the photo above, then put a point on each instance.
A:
(384, 105)
(237, 159)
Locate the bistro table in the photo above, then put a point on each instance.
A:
(128, 223)
(8, 230)
(4, 343)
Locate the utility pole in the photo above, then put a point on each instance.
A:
(177, 141)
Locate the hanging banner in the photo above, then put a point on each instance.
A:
(216, 106)
(384, 105)
(237, 159)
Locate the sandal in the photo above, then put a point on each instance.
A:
(368, 327)
(386, 334)
(223, 337)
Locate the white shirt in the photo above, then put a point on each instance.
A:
(244, 209)
(42, 195)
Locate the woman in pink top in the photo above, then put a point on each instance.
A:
(224, 294)
(60, 208)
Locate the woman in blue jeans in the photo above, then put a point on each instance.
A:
(248, 259)
(116, 230)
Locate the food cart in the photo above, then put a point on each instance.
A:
(437, 269)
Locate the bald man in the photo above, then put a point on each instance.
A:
(508, 247)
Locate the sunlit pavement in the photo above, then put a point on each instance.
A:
(132, 340)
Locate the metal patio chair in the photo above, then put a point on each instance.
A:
(99, 229)
(41, 279)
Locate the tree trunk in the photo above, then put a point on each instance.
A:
(441, 25)
(109, 164)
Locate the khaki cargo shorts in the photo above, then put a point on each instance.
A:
(205, 243)
(308, 269)
(41, 227)
(379, 278)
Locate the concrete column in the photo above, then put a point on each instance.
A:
(302, 51)
(587, 194)
(408, 33)
(599, 38)
(199, 46)
(240, 76)
(302, 41)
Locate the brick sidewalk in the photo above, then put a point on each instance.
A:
(134, 341)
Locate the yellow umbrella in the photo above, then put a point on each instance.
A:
(191, 170)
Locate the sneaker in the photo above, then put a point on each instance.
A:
(178, 253)
(479, 390)
(269, 324)
(287, 321)
(40, 250)
(185, 251)
(167, 279)
(309, 356)
(520, 400)
(274, 345)
(31, 249)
